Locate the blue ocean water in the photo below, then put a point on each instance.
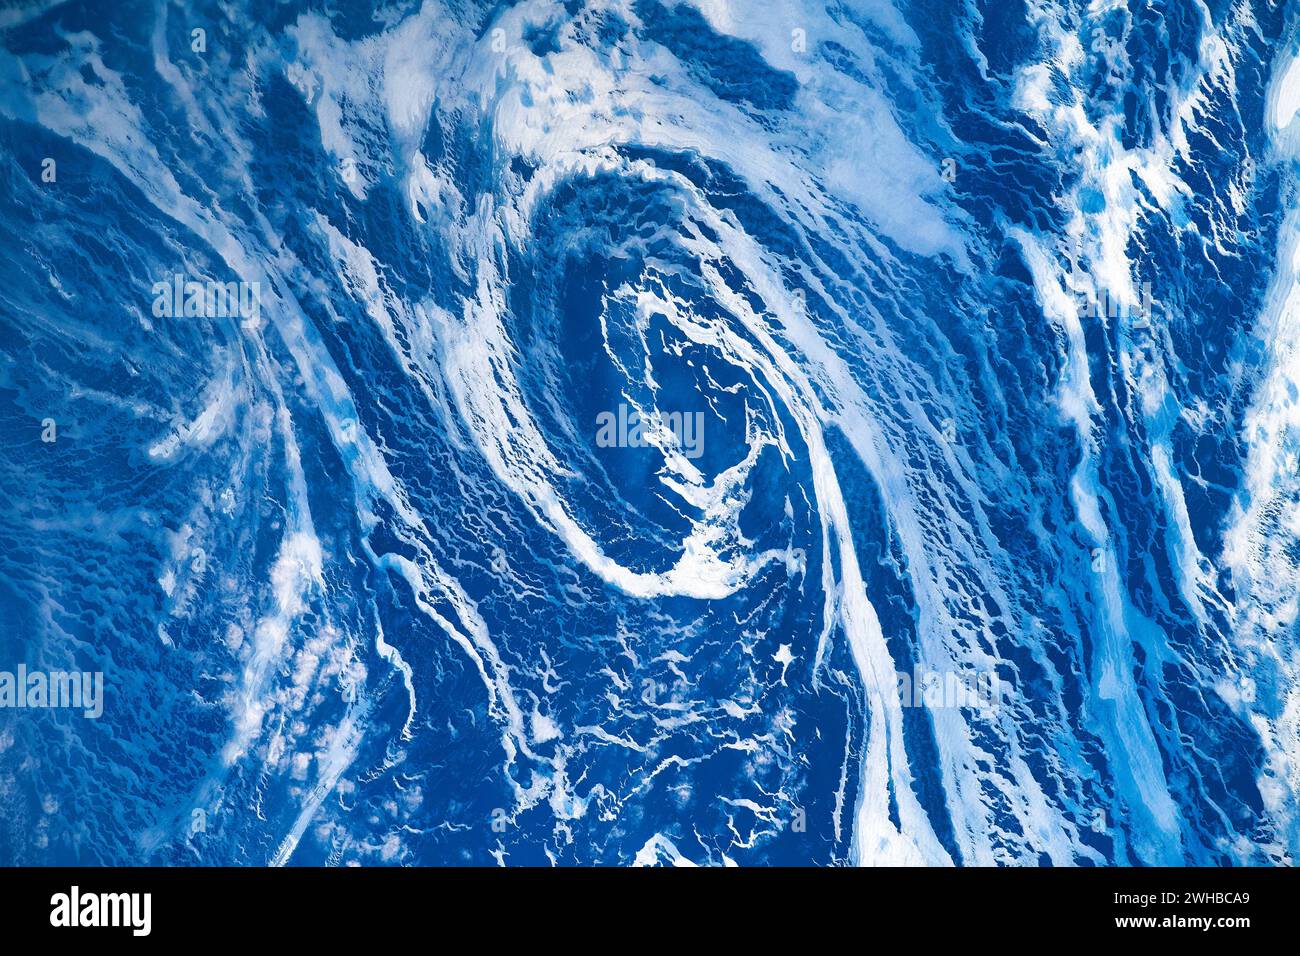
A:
(650, 431)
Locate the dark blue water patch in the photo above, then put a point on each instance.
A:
(542, 39)
(47, 31)
(728, 192)
(356, 20)
(732, 69)
(1002, 170)
(601, 31)
(286, 150)
(585, 388)
(1226, 781)
(762, 519)
(566, 317)
(1007, 178)
(1061, 93)
(1006, 37)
